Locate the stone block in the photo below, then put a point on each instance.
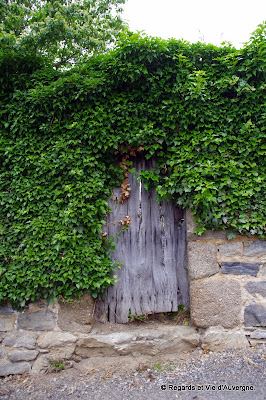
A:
(96, 347)
(77, 316)
(2, 353)
(240, 268)
(39, 320)
(7, 310)
(7, 323)
(27, 340)
(61, 353)
(22, 355)
(256, 288)
(256, 249)
(144, 341)
(231, 249)
(215, 302)
(216, 338)
(41, 365)
(56, 339)
(202, 260)
(8, 368)
(255, 315)
(258, 334)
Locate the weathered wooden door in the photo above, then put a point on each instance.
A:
(153, 278)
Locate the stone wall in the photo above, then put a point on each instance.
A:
(227, 283)
(228, 310)
(65, 332)
(29, 340)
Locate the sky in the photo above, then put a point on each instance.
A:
(210, 21)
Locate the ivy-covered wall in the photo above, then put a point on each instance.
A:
(198, 109)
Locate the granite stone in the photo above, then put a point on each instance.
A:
(215, 302)
(202, 260)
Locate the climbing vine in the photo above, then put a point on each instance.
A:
(199, 110)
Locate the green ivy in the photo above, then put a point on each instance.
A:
(199, 110)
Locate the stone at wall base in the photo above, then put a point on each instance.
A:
(258, 334)
(143, 341)
(255, 342)
(8, 368)
(56, 339)
(42, 364)
(216, 338)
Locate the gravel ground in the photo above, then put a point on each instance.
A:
(232, 374)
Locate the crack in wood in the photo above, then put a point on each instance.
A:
(154, 278)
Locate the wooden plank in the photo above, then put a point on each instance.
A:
(153, 249)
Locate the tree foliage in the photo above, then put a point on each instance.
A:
(62, 30)
(197, 109)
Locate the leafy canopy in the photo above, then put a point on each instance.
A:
(63, 30)
(199, 110)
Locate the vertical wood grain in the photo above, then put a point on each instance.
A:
(153, 249)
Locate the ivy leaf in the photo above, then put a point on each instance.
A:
(230, 235)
